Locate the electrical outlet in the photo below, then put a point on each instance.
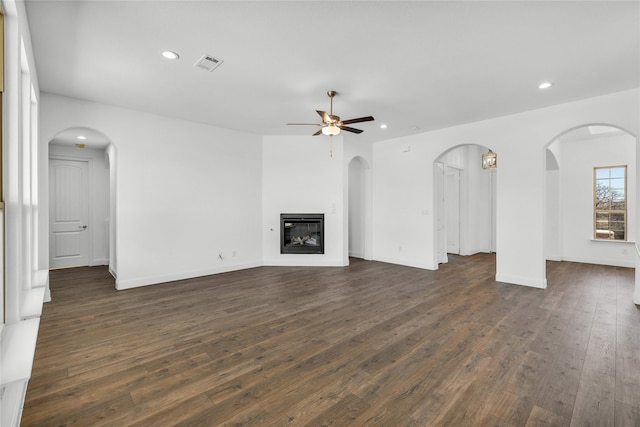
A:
(233, 253)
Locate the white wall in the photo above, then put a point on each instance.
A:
(357, 207)
(403, 182)
(300, 176)
(553, 217)
(361, 152)
(113, 200)
(99, 196)
(186, 192)
(478, 194)
(576, 198)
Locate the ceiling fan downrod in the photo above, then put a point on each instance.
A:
(331, 94)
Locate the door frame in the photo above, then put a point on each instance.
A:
(453, 171)
(440, 225)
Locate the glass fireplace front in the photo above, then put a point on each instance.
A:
(301, 233)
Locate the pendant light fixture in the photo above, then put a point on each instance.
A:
(489, 160)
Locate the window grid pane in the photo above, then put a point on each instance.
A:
(610, 216)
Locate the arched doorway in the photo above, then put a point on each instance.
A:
(575, 228)
(359, 222)
(464, 203)
(81, 199)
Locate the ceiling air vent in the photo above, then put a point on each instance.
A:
(208, 62)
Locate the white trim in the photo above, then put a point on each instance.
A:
(523, 281)
(613, 262)
(406, 263)
(16, 362)
(154, 280)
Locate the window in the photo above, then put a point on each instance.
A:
(610, 203)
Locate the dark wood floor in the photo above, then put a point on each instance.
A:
(370, 344)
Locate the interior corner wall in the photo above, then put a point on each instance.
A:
(553, 217)
(403, 189)
(189, 195)
(113, 223)
(479, 202)
(300, 176)
(360, 192)
(357, 210)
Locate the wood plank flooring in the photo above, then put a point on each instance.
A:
(372, 344)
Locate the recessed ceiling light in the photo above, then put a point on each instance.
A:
(383, 126)
(545, 85)
(170, 54)
(81, 137)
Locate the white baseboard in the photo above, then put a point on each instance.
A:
(600, 261)
(406, 263)
(522, 281)
(154, 280)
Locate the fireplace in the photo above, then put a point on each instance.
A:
(301, 233)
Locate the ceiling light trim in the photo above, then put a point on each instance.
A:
(169, 54)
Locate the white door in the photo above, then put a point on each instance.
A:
(68, 213)
(452, 208)
(441, 251)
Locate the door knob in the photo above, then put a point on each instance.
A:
(82, 226)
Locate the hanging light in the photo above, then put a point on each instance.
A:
(489, 160)
(331, 130)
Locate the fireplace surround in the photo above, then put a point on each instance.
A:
(301, 233)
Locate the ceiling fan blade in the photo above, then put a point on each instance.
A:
(317, 133)
(348, 129)
(358, 120)
(325, 116)
(304, 124)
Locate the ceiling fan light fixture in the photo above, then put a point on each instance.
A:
(331, 130)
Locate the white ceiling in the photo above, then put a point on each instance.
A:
(425, 64)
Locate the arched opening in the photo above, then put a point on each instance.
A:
(82, 199)
(465, 201)
(576, 227)
(359, 222)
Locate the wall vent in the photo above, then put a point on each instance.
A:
(208, 62)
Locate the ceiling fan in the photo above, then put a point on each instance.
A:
(331, 124)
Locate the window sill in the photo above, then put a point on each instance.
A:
(613, 241)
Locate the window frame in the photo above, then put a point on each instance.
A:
(610, 211)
